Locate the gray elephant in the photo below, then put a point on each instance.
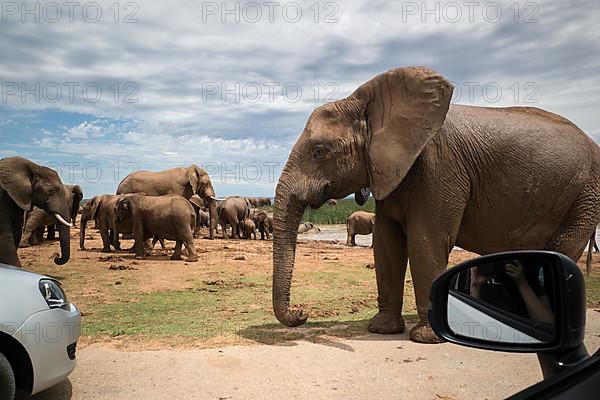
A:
(180, 181)
(308, 227)
(38, 219)
(232, 211)
(23, 185)
(248, 228)
(203, 219)
(263, 222)
(258, 201)
(202, 216)
(263, 201)
(101, 209)
(361, 223)
(485, 179)
(170, 216)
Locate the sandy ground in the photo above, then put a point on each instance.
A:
(367, 366)
(373, 366)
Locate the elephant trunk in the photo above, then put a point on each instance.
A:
(64, 233)
(82, 228)
(287, 215)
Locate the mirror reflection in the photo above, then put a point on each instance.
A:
(508, 300)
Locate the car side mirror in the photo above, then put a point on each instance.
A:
(523, 301)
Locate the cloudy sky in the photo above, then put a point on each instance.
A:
(98, 89)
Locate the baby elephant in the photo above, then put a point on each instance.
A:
(248, 228)
(308, 227)
(171, 217)
(361, 223)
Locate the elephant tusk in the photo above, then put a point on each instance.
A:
(62, 220)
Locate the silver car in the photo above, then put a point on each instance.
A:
(39, 329)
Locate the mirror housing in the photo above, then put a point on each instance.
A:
(566, 288)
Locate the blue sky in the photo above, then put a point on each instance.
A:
(173, 83)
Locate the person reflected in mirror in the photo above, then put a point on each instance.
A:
(538, 305)
(507, 287)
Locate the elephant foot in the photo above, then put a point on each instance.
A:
(140, 257)
(422, 333)
(105, 250)
(387, 323)
(176, 257)
(192, 259)
(24, 245)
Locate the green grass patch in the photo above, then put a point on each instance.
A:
(339, 302)
(338, 213)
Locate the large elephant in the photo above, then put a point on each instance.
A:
(38, 219)
(485, 179)
(102, 210)
(23, 185)
(180, 181)
(232, 211)
(170, 216)
(359, 223)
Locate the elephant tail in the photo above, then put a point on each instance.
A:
(591, 245)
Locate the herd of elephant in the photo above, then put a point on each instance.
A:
(171, 204)
(486, 179)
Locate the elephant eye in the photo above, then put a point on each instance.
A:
(320, 152)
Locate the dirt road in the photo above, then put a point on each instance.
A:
(372, 366)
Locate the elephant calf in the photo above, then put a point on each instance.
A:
(169, 216)
(248, 228)
(308, 227)
(263, 222)
(361, 223)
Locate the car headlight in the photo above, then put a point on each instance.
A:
(52, 293)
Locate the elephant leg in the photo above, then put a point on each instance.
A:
(8, 249)
(177, 253)
(11, 228)
(191, 249)
(578, 226)
(234, 228)
(349, 239)
(428, 252)
(224, 228)
(105, 235)
(37, 236)
(51, 232)
(391, 257)
(114, 239)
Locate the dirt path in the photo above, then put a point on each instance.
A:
(372, 366)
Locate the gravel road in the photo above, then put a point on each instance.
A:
(373, 366)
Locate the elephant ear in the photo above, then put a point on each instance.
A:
(77, 197)
(193, 177)
(16, 177)
(94, 208)
(404, 109)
